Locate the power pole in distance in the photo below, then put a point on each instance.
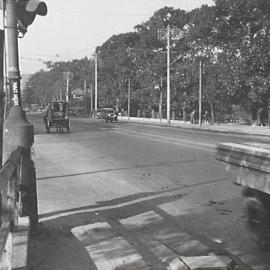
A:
(200, 93)
(96, 81)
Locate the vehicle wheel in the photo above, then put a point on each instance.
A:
(258, 221)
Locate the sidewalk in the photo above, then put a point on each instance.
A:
(223, 128)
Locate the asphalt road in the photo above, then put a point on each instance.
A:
(133, 195)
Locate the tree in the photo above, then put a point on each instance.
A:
(44, 85)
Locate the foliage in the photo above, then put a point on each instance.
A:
(43, 86)
(231, 38)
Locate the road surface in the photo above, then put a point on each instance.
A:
(130, 196)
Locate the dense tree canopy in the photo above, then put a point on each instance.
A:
(230, 38)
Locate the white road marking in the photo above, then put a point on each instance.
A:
(182, 207)
(107, 250)
(144, 219)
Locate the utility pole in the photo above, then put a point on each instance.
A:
(200, 92)
(167, 34)
(91, 99)
(96, 89)
(128, 98)
(168, 75)
(67, 89)
(160, 98)
(85, 96)
(84, 87)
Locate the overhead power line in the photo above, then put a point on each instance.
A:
(103, 13)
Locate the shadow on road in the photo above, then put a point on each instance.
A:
(132, 232)
(157, 164)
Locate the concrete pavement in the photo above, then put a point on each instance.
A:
(79, 231)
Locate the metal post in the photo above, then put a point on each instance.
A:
(200, 93)
(96, 90)
(17, 130)
(2, 94)
(67, 89)
(128, 98)
(13, 55)
(168, 75)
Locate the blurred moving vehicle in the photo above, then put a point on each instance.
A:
(56, 116)
(98, 114)
(252, 162)
(108, 114)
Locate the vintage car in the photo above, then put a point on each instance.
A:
(108, 114)
(56, 116)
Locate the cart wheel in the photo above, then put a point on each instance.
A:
(258, 221)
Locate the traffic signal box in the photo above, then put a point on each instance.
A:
(26, 12)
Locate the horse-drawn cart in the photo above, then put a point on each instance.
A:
(57, 116)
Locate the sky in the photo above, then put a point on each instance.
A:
(73, 29)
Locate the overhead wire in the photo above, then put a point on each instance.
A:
(105, 17)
